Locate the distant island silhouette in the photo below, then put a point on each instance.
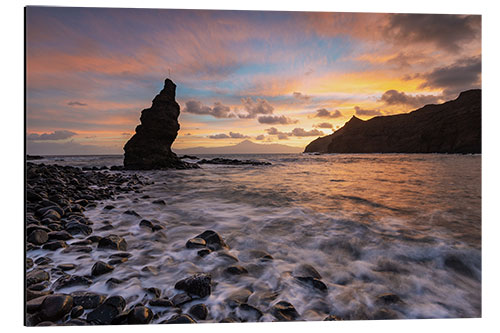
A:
(244, 147)
(451, 127)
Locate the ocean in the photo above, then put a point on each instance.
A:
(392, 235)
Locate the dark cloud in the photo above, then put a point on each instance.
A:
(324, 113)
(301, 96)
(217, 111)
(303, 132)
(219, 136)
(231, 135)
(254, 108)
(260, 137)
(364, 112)
(56, 135)
(282, 120)
(323, 125)
(76, 103)
(394, 97)
(459, 76)
(299, 132)
(448, 32)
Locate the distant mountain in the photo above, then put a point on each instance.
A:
(244, 147)
(451, 127)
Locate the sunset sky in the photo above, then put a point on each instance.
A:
(271, 77)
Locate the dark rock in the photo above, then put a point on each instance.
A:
(313, 282)
(131, 212)
(383, 314)
(121, 319)
(204, 252)
(228, 320)
(199, 311)
(262, 255)
(159, 202)
(38, 237)
(87, 299)
(109, 207)
(101, 268)
(214, 240)
(76, 249)
(226, 161)
(162, 302)
(146, 224)
(451, 127)
(54, 307)
(42, 261)
(179, 319)
(113, 282)
(195, 243)
(157, 227)
(155, 291)
(191, 157)
(34, 305)
(453, 262)
(39, 286)
(46, 323)
(117, 301)
(388, 298)
(103, 314)
(77, 311)
(66, 267)
(84, 242)
(236, 270)
(32, 294)
(67, 281)
(94, 239)
(36, 276)
(247, 312)
(60, 235)
(180, 299)
(117, 261)
(113, 242)
(29, 263)
(140, 315)
(76, 322)
(106, 228)
(306, 270)
(150, 270)
(121, 255)
(54, 245)
(284, 311)
(76, 228)
(150, 147)
(198, 284)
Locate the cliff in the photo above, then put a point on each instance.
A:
(451, 127)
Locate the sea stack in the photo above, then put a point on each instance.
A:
(150, 147)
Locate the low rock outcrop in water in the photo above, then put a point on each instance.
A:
(150, 147)
(451, 127)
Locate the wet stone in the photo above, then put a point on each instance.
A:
(247, 312)
(146, 224)
(199, 311)
(157, 227)
(76, 322)
(306, 270)
(388, 298)
(113, 242)
(103, 314)
(76, 249)
(131, 212)
(32, 294)
(162, 302)
(60, 235)
(94, 239)
(159, 202)
(332, 318)
(198, 284)
(66, 281)
(236, 270)
(140, 315)
(66, 267)
(180, 319)
(36, 276)
(88, 300)
(121, 255)
(38, 237)
(154, 291)
(113, 282)
(262, 255)
(54, 245)
(101, 268)
(54, 307)
(43, 261)
(117, 261)
(77, 311)
(109, 207)
(29, 263)
(180, 299)
(34, 305)
(82, 243)
(39, 286)
(195, 243)
(284, 311)
(313, 282)
(214, 240)
(204, 252)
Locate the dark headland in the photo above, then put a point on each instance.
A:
(452, 127)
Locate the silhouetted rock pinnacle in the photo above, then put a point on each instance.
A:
(451, 127)
(150, 147)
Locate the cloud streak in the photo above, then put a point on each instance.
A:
(56, 135)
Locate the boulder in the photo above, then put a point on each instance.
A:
(54, 307)
(198, 284)
(284, 311)
(113, 242)
(213, 240)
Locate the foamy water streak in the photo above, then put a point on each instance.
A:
(371, 224)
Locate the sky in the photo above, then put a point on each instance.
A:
(268, 77)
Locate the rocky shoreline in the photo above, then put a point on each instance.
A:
(57, 197)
